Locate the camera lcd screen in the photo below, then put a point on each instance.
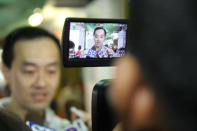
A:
(93, 42)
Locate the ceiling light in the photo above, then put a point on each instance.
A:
(35, 19)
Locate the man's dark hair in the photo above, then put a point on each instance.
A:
(11, 122)
(23, 33)
(99, 28)
(71, 44)
(163, 38)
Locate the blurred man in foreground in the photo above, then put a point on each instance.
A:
(155, 88)
(31, 66)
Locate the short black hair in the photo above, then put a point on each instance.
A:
(99, 28)
(26, 33)
(11, 122)
(79, 47)
(163, 38)
(71, 44)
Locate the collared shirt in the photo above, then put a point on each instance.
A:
(95, 54)
(52, 120)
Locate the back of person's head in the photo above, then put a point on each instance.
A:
(79, 47)
(163, 37)
(22, 33)
(10, 122)
(71, 45)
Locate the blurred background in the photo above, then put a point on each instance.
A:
(77, 83)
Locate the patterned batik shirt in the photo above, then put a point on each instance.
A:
(95, 54)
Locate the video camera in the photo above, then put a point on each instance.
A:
(95, 42)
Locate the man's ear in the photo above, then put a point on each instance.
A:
(142, 107)
(128, 79)
(133, 96)
(6, 73)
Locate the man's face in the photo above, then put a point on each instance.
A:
(99, 37)
(35, 72)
